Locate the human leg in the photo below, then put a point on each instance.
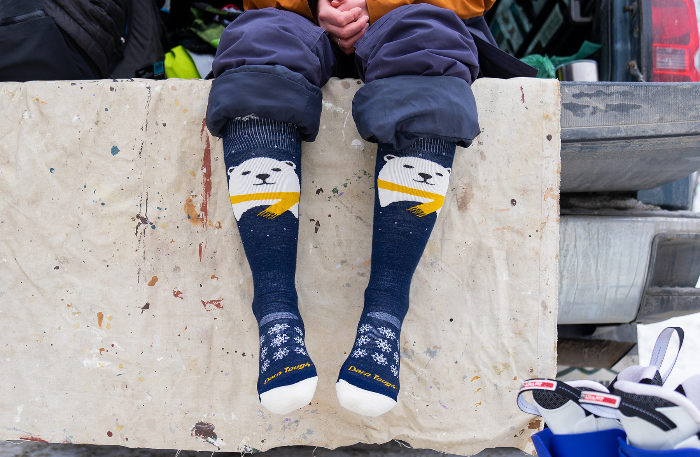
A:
(263, 104)
(418, 63)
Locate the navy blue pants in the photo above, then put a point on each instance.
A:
(417, 62)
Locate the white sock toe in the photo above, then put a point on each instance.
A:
(362, 401)
(285, 399)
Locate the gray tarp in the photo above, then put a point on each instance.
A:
(125, 293)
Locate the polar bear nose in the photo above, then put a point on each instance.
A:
(425, 176)
(262, 176)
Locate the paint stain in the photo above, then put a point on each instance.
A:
(513, 202)
(214, 277)
(216, 303)
(120, 428)
(76, 326)
(345, 84)
(121, 366)
(551, 193)
(177, 294)
(51, 170)
(145, 307)
(500, 368)
(191, 211)
(101, 350)
(367, 262)
(205, 432)
(99, 319)
(153, 281)
(522, 95)
(475, 378)
(32, 438)
(534, 424)
(319, 191)
(206, 175)
(549, 137)
(465, 198)
(109, 434)
(483, 156)
(108, 326)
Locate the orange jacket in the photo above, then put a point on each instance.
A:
(378, 8)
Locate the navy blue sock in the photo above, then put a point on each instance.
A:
(411, 186)
(263, 163)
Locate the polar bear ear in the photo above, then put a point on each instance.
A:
(388, 157)
(291, 164)
(230, 170)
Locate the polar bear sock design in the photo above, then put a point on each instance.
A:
(411, 187)
(263, 166)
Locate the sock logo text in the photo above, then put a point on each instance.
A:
(369, 375)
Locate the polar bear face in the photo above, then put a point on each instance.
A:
(413, 179)
(264, 181)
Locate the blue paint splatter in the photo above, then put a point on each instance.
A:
(106, 109)
(102, 204)
(115, 150)
(51, 170)
(153, 227)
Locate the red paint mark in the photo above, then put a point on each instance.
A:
(216, 302)
(100, 316)
(522, 98)
(109, 434)
(101, 349)
(185, 328)
(206, 176)
(32, 438)
(200, 252)
(177, 294)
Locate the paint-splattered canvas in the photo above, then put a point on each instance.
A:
(125, 295)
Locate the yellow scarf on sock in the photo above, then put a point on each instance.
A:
(420, 210)
(286, 201)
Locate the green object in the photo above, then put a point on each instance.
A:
(179, 64)
(205, 29)
(546, 64)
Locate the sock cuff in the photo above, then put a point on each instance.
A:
(433, 146)
(252, 132)
(275, 317)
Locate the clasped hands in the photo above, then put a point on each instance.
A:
(345, 20)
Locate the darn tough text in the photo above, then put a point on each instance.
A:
(369, 375)
(287, 370)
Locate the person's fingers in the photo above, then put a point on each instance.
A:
(337, 3)
(347, 44)
(352, 28)
(343, 18)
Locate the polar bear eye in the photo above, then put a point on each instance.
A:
(276, 169)
(439, 174)
(245, 173)
(408, 166)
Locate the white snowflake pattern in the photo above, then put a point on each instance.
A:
(396, 357)
(357, 353)
(299, 340)
(364, 339)
(384, 345)
(300, 351)
(394, 370)
(298, 330)
(279, 340)
(263, 352)
(265, 366)
(281, 352)
(387, 333)
(262, 339)
(277, 328)
(379, 358)
(365, 328)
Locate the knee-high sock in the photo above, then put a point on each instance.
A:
(411, 187)
(263, 162)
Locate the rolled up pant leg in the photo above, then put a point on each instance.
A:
(270, 63)
(418, 62)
